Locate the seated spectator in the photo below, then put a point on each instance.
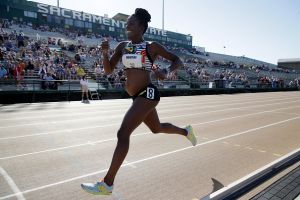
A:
(61, 73)
(3, 73)
(73, 73)
(42, 71)
(77, 57)
(48, 82)
(29, 68)
(20, 39)
(1, 55)
(98, 72)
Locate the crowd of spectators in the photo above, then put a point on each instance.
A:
(231, 73)
(21, 56)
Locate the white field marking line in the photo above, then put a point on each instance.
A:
(115, 124)
(166, 110)
(101, 111)
(112, 139)
(150, 158)
(12, 184)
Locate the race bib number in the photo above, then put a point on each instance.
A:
(150, 93)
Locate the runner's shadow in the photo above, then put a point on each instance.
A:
(217, 185)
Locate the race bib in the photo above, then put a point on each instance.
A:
(150, 93)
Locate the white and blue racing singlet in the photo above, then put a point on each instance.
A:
(135, 56)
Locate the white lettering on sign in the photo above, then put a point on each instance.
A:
(106, 21)
(63, 13)
(152, 31)
(76, 15)
(87, 17)
(53, 10)
(115, 23)
(97, 19)
(42, 8)
(123, 24)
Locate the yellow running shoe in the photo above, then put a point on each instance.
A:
(191, 136)
(99, 188)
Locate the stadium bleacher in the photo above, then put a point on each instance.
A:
(77, 54)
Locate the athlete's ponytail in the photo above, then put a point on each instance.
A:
(143, 16)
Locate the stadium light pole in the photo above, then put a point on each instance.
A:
(57, 3)
(163, 15)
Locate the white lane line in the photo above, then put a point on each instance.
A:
(149, 158)
(81, 113)
(118, 102)
(12, 184)
(59, 131)
(239, 116)
(120, 115)
(131, 165)
(106, 108)
(164, 110)
(66, 147)
(91, 143)
(112, 139)
(128, 102)
(176, 116)
(262, 151)
(295, 114)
